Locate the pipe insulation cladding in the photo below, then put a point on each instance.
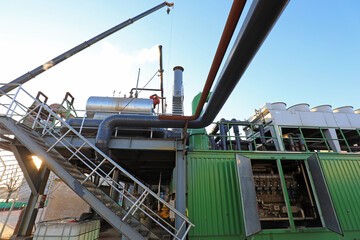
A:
(115, 105)
(259, 21)
(178, 94)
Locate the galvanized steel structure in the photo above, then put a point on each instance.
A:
(293, 174)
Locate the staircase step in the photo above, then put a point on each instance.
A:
(35, 136)
(99, 196)
(107, 203)
(94, 189)
(52, 152)
(25, 127)
(31, 132)
(78, 175)
(153, 236)
(69, 167)
(40, 142)
(134, 224)
(88, 183)
(60, 160)
(120, 212)
(102, 203)
(143, 230)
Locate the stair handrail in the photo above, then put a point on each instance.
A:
(44, 106)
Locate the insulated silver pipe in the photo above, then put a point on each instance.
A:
(259, 21)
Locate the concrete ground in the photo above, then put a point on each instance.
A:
(11, 223)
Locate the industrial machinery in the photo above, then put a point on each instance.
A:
(282, 174)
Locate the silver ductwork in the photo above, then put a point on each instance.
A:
(262, 16)
(102, 107)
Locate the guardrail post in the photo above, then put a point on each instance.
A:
(12, 102)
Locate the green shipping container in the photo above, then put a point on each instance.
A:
(214, 201)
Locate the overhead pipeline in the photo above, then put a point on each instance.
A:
(259, 21)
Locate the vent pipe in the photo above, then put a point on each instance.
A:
(259, 21)
(301, 107)
(278, 106)
(344, 109)
(178, 94)
(322, 108)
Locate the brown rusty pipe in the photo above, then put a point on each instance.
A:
(233, 18)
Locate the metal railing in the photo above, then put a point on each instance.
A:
(313, 138)
(67, 112)
(44, 120)
(242, 136)
(11, 175)
(83, 115)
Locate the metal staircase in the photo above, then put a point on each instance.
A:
(29, 125)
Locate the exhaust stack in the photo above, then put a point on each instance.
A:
(178, 94)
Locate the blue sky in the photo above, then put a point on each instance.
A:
(312, 54)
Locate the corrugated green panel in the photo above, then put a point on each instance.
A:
(214, 204)
(343, 179)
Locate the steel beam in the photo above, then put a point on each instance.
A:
(121, 143)
(36, 179)
(180, 185)
(332, 139)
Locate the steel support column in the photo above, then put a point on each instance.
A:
(37, 179)
(277, 139)
(113, 193)
(180, 184)
(332, 139)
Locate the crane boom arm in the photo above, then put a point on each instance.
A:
(42, 68)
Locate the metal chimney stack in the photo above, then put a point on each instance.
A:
(178, 94)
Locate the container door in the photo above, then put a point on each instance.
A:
(248, 196)
(322, 191)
